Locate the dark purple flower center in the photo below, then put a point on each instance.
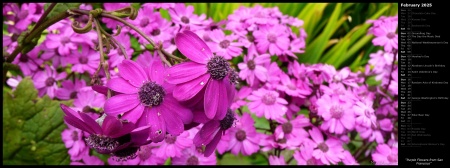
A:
(282, 141)
(241, 135)
(87, 109)
(50, 81)
(119, 51)
(172, 41)
(144, 152)
(185, 20)
(250, 38)
(144, 22)
(376, 126)
(390, 35)
(156, 32)
(73, 95)
(392, 158)
(227, 121)
(65, 40)
(336, 111)
(170, 139)
(193, 160)
(291, 86)
(83, 60)
(323, 147)
(251, 64)
(311, 162)
(151, 94)
(287, 128)
(224, 44)
(234, 77)
(206, 38)
(22, 14)
(75, 135)
(102, 144)
(269, 99)
(23, 58)
(126, 154)
(272, 38)
(317, 73)
(218, 67)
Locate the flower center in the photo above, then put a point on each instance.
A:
(83, 60)
(144, 152)
(272, 38)
(282, 141)
(119, 51)
(126, 154)
(65, 40)
(323, 147)
(73, 95)
(22, 14)
(213, 27)
(151, 94)
(75, 136)
(144, 22)
(23, 58)
(367, 113)
(228, 121)
(392, 158)
(287, 128)
(218, 67)
(185, 20)
(250, 38)
(50, 81)
(87, 109)
(193, 160)
(156, 32)
(251, 64)
(311, 162)
(224, 44)
(102, 144)
(206, 37)
(241, 135)
(336, 111)
(172, 41)
(390, 35)
(269, 99)
(170, 139)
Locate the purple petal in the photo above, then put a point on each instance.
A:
(91, 123)
(216, 100)
(100, 89)
(121, 85)
(199, 116)
(193, 47)
(132, 72)
(121, 103)
(127, 127)
(185, 72)
(174, 125)
(77, 123)
(157, 125)
(172, 105)
(157, 71)
(134, 115)
(186, 91)
(140, 135)
(211, 147)
(111, 125)
(207, 132)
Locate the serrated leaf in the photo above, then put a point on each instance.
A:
(32, 128)
(60, 8)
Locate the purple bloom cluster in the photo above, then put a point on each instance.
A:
(144, 112)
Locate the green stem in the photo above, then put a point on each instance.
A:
(46, 24)
(102, 54)
(44, 15)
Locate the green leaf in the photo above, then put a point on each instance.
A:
(60, 8)
(32, 128)
(255, 159)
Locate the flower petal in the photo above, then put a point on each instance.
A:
(185, 72)
(193, 47)
(216, 100)
(174, 106)
(121, 103)
(207, 133)
(133, 72)
(111, 125)
(186, 91)
(211, 147)
(174, 125)
(121, 85)
(157, 125)
(134, 114)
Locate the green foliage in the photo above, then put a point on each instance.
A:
(60, 8)
(32, 128)
(255, 159)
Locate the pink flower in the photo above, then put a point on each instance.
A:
(70, 89)
(365, 113)
(73, 139)
(239, 98)
(337, 114)
(173, 145)
(86, 61)
(349, 159)
(89, 160)
(225, 45)
(328, 151)
(376, 131)
(273, 160)
(110, 23)
(65, 42)
(293, 87)
(243, 138)
(46, 81)
(87, 99)
(293, 129)
(385, 155)
(194, 156)
(385, 35)
(275, 39)
(304, 156)
(14, 81)
(29, 62)
(184, 16)
(116, 56)
(145, 156)
(254, 67)
(267, 103)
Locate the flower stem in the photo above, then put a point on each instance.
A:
(44, 15)
(103, 63)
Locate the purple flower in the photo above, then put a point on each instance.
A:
(29, 62)
(184, 15)
(117, 56)
(225, 46)
(65, 42)
(46, 81)
(110, 23)
(337, 114)
(365, 113)
(273, 73)
(267, 103)
(292, 129)
(376, 131)
(293, 87)
(87, 99)
(14, 81)
(243, 138)
(173, 145)
(304, 156)
(211, 133)
(385, 35)
(86, 61)
(73, 139)
(147, 97)
(159, 5)
(70, 89)
(273, 160)
(159, 29)
(349, 159)
(194, 156)
(145, 156)
(328, 151)
(275, 39)
(254, 67)
(112, 136)
(23, 17)
(239, 98)
(205, 69)
(385, 155)
(89, 160)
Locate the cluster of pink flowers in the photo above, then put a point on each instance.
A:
(206, 104)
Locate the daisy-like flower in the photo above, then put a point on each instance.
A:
(205, 69)
(377, 131)
(385, 35)
(239, 98)
(89, 160)
(53, 56)
(364, 111)
(267, 103)
(292, 87)
(145, 156)
(327, 151)
(73, 139)
(28, 62)
(65, 42)
(70, 89)
(112, 136)
(184, 15)
(337, 114)
(86, 61)
(173, 145)
(46, 81)
(254, 67)
(225, 46)
(211, 133)
(304, 156)
(147, 97)
(274, 160)
(275, 39)
(385, 155)
(117, 56)
(23, 16)
(349, 159)
(160, 30)
(243, 138)
(273, 73)
(87, 99)
(292, 129)
(194, 156)
(111, 23)
(146, 18)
